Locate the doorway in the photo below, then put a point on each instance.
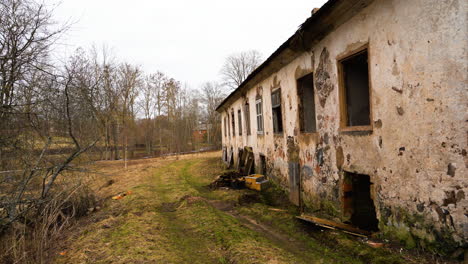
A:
(357, 202)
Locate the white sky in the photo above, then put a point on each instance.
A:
(188, 40)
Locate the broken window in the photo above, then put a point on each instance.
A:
(259, 107)
(305, 93)
(276, 111)
(357, 201)
(233, 124)
(355, 101)
(239, 121)
(247, 117)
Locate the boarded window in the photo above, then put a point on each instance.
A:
(276, 111)
(247, 117)
(239, 121)
(233, 124)
(305, 93)
(355, 90)
(259, 107)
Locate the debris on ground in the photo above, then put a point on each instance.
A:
(375, 244)
(121, 196)
(276, 209)
(256, 182)
(349, 229)
(232, 179)
(235, 180)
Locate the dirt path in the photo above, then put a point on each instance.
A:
(171, 216)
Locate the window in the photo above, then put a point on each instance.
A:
(305, 93)
(239, 121)
(228, 127)
(276, 111)
(259, 107)
(233, 124)
(247, 117)
(225, 129)
(354, 90)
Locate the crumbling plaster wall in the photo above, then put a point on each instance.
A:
(416, 151)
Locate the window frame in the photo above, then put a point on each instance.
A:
(300, 104)
(228, 126)
(273, 107)
(259, 116)
(239, 122)
(233, 122)
(247, 118)
(342, 90)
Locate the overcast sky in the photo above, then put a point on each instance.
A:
(188, 40)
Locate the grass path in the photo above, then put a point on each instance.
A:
(171, 217)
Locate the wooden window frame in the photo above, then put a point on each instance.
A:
(342, 90)
(233, 122)
(273, 91)
(247, 118)
(299, 105)
(239, 122)
(228, 126)
(257, 101)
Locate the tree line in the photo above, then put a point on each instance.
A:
(56, 115)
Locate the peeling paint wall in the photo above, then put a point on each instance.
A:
(415, 154)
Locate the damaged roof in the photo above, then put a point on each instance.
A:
(331, 15)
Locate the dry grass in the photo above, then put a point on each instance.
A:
(170, 216)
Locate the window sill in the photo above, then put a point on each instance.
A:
(309, 133)
(356, 129)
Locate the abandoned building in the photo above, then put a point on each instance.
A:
(361, 116)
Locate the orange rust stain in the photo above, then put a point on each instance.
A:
(317, 169)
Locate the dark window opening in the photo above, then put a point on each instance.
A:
(305, 93)
(247, 117)
(233, 124)
(239, 121)
(355, 75)
(357, 201)
(259, 108)
(252, 167)
(240, 158)
(276, 111)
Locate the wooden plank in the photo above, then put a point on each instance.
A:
(328, 223)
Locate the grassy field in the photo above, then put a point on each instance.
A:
(171, 216)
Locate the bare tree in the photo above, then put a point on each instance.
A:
(238, 66)
(212, 96)
(129, 80)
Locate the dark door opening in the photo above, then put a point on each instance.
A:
(262, 165)
(357, 201)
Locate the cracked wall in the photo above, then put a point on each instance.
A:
(415, 154)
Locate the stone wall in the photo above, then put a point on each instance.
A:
(415, 154)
